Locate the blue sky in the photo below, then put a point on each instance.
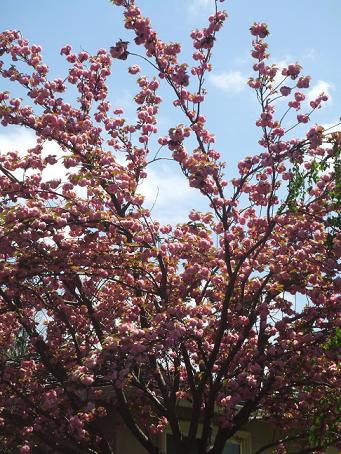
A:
(307, 31)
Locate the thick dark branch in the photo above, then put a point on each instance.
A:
(124, 411)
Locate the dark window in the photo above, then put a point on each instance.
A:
(230, 448)
(171, 445)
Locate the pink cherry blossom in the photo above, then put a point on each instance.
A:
(108, 314)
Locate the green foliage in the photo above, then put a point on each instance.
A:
(334, 342)
(297, 187)
(334, 221)
(19, 347)
(302, 181)
(323, 420)
(331, 401)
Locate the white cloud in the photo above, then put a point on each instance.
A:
(196, 6)
(168, 195)
(282, 62)
(332, 127)
(279, 78)
(318, 88)
(229, 82)
(124, 100)
(21, 140)
(310, 54)
(166, 190)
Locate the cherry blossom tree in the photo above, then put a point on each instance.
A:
(141, 317)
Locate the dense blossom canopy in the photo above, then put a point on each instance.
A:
(234, 310)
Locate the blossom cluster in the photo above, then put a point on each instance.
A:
(104, 310)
